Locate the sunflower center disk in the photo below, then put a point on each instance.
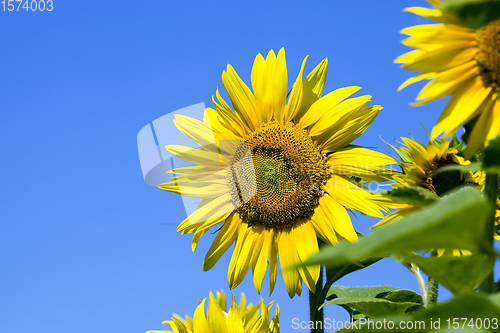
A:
(489, 52)
(277, 176)
(444, 182)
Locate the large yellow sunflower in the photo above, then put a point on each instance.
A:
(276, 172)
(418, 164)
(242, 318)
(461, 62)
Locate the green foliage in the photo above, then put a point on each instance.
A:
(456, 167)
(400, 152)
(375, 302)
(474, 13)
(336, 272)
(444, 224)
(447, 315)
(416, 196)
(491, 162)
(455, 143)
(458, 274)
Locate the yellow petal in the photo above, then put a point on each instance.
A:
(217, 320)
(242, 99)
(225, 127)
(325, 104)
(200, 323)
(246, 251)
(295, 100)
(262, 85)
(338, 217)
(234, 320)
(349, 195)
(433, 14)
(448, 56)
(260, 266)
(306, 243)
(350, 129)
(404, 211)
(196, 130)
(273, 262)
(359, 162)
(462, 107)
(209, 159)
(482, 127)
(230, 119)
(280, 86)
(447, 82)
(338, 116)
(207, 211)
(196, 189)
(226, 236)
(323, 227)
(289, 257)
(420, 77)
(312, 88)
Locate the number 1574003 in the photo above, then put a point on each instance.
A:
(27, 5)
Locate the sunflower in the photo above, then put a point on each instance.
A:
(277, 173)
(461, 62)
(240, 318)
(418, 163)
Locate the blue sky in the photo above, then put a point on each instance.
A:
(85, 244)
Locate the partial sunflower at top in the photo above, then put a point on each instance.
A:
(277, 172)
(419, 163)
(461, 62)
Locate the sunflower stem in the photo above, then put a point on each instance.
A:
(432, 292)
(491, 190)
(421, 282)
(432, 288)
(315, 301)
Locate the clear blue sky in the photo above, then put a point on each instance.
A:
(85, 244)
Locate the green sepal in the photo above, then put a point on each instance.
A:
(474, 13)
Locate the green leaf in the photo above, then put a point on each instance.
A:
(455, 143)
(415, 196)
(470, 306)
(457, 167)
(466, 306)
(399, 151)
(458, 274)
(495, 298)
(359, 292)
(336, 272)
(474, 13)
(495, 169)
(375, 301)
(491, 160)
(404, 295)
(445, 224)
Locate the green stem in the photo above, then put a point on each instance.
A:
(432, 292)
(423, 288)
(432, 288)
(315, 314)
(491, 191)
